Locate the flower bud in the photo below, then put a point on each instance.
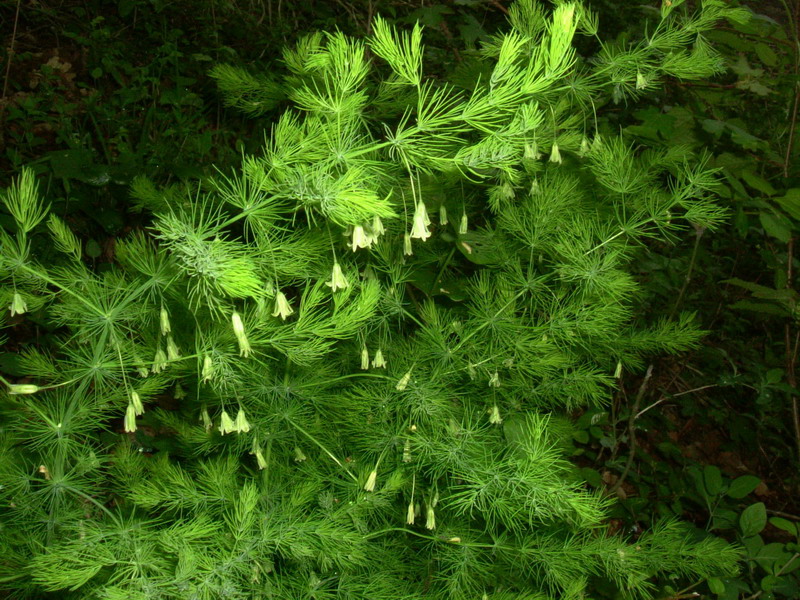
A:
(172, 349)
(641, 82)
(130, 419)
(584, 149)
(18, 305)
(164, 318)
(282, 307)
(377, 226)
(462, 226)
(241, 336)
(407, 451)
(494, 380)
(494, 415)
(208, 368)
(454, 540)
(22, 388)
(410, 513)
(136, 402)
(403, 383)
(407, 250)
(443, 215)
(371, 480)
(206, 419)
(364, 358)
(618, 370)
(159, 361)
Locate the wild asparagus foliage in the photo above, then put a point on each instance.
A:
(361, 342)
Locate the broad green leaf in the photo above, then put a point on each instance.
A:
(790, 202)
(766, 308)
(753, 519)
(716, 586)
(712, 479)
(767, 55)
(741, 486)
(758, 183)
(784, 525)
(775, 226)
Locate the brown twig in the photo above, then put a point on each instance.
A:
(499, 6)
(10, 52)
(632, 431)
(784, 515)
(791, 351)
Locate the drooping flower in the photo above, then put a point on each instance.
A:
(379, 362)
(206, 419)
(494, 380)
(299, 455)
(421, 221)
(226, 424)
(18, 305)
(407, 250)
(130, 419)
(241, 425)
(241, 336)
(377, 226)
(282, 307)
(462, 226)
(262, 463)
(584, 149)
(443, 215)
(430, 518)
(172, 349)
(555, 154)
(641, 81)
(407, 451)
(208, 368)
(360, 238)
(410, 513)
(159, 361)
(338, 280)
(494, 415)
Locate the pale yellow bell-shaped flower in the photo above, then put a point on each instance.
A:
(130, 419)
(338, 280)
(226, 424)
(18, 305)
(419, 230)
(282, 307)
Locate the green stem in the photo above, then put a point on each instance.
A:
(323, 448)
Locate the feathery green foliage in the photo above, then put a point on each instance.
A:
(347, 354)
